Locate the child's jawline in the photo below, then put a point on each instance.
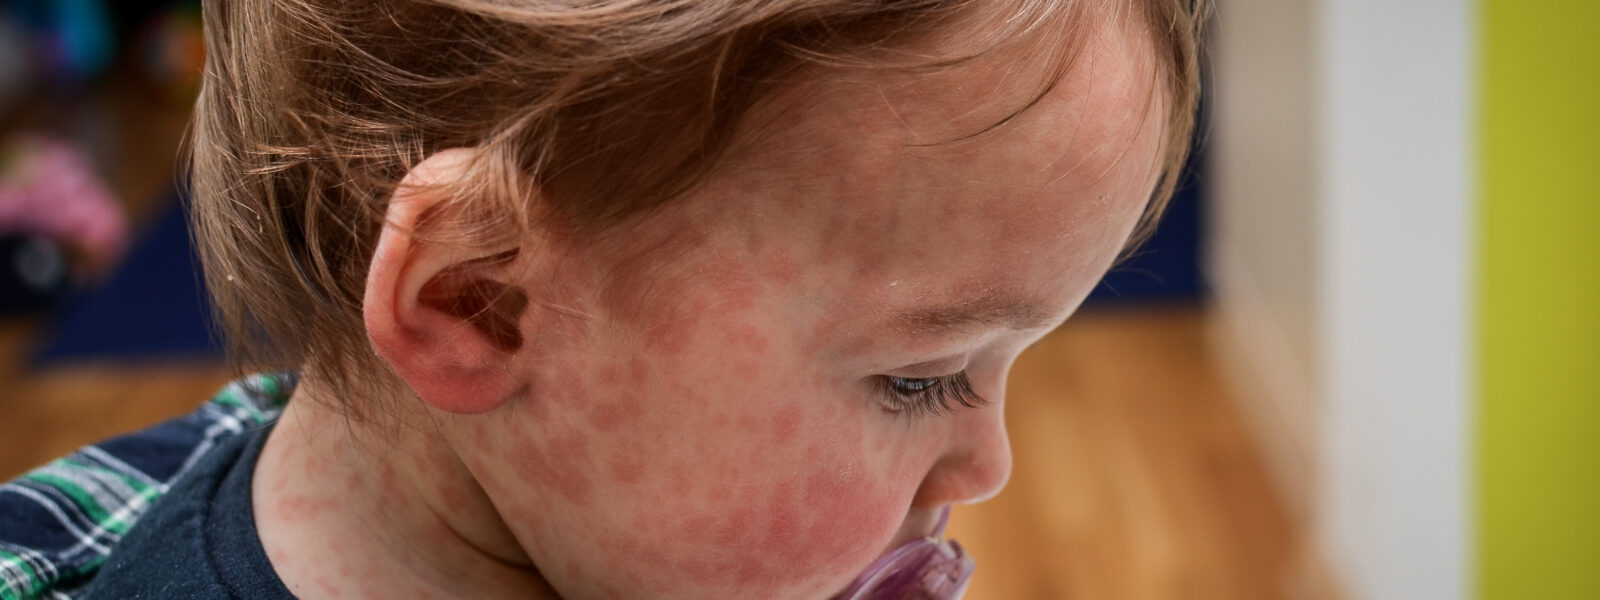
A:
(925, 568)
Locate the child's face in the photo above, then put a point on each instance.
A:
(721, 421)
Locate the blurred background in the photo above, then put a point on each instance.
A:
(1361, 358)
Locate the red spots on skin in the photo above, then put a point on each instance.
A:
(747, 369)
(642, 523)
(606, 416)
(739, 523)
(748, 421)
(853, 508)
(727, 469)
(678, 481)
(626, 468)
(638, 372)
(748, 338)
(783, 514)
(536, 406)
(569, 385)
(669, 331)
(629, 550)
(389, 480)
(692, 398)
(311, 466)
(750, 568)
(560, 465)
(695, 526)
(327, 587)
(829, 251)
(782, 269)
(720, 421)
(786, 422)
(731, 282)
(822, 335)
(304, 508)
(573, 571)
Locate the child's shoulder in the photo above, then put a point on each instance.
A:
(60, 522)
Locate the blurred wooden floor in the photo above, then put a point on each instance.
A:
(1134, 479)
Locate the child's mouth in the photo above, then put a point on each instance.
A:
(925, 568)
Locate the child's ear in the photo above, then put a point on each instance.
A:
(446, 315)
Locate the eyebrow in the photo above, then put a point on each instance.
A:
(995, 308)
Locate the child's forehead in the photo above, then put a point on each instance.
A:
(984, 137)
(857, 183)
(1012, 103)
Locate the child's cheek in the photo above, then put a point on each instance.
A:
(766, 493)
(707, 458)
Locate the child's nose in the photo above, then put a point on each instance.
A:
(975, 463)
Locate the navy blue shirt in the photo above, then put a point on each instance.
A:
(200, 540)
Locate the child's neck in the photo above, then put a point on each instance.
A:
(344, 510)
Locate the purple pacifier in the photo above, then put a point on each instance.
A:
(927, 568)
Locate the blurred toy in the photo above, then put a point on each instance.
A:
(33, 273)
(48, 189)
(72, 40)
(173, 50)
(13, 64)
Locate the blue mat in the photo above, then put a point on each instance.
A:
(1167, 267)
(153, 308)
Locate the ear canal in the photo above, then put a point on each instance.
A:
(491, 307)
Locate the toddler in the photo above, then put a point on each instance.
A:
(644, 298)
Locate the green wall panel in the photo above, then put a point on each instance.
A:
(1538, 346)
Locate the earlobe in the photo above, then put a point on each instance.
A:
(445, 316)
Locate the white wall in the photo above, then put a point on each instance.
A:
(1384, 408)
(1394, 191)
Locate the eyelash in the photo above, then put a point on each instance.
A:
(927, 397)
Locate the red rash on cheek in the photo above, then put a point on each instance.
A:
(850, 512)
(784, 270)
(747, 421)
(627, 469)
(700, 450)
(747, 338)
(786, 422)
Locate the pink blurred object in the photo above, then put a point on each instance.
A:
(927, 568)
(49, 188)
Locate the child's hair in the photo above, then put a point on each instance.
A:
(311, 111)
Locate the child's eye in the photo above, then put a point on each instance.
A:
(930, 396)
